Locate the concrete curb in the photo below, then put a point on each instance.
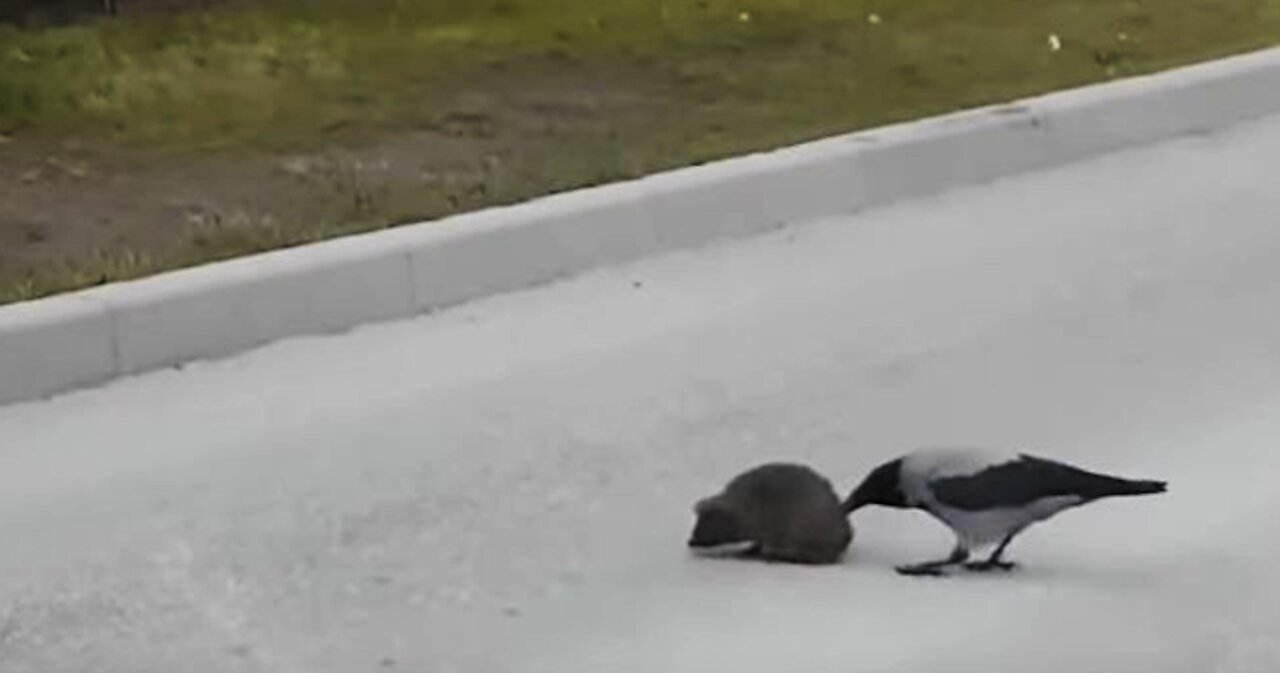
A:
(90, 337)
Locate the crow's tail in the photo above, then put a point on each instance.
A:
(1126, 487)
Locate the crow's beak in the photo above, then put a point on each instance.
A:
(855, 501)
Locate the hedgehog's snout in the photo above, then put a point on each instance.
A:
(715, 527)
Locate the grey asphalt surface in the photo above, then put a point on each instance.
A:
(507, 486)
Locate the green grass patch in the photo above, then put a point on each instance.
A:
(290, 71)
(720, 77)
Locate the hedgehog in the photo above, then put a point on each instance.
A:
(781, 512)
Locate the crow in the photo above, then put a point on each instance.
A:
(985, 497)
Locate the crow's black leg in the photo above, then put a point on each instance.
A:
(994, 562)
(934, 568)
(995, 555)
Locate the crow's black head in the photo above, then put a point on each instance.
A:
(882, 487)
(717, 525)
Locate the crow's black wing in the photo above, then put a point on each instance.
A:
(1019, 482)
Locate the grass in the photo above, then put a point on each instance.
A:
(287, 74)
(718, 77)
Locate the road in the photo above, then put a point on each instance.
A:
(506, 486)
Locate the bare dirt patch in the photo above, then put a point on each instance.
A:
(77, 208)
